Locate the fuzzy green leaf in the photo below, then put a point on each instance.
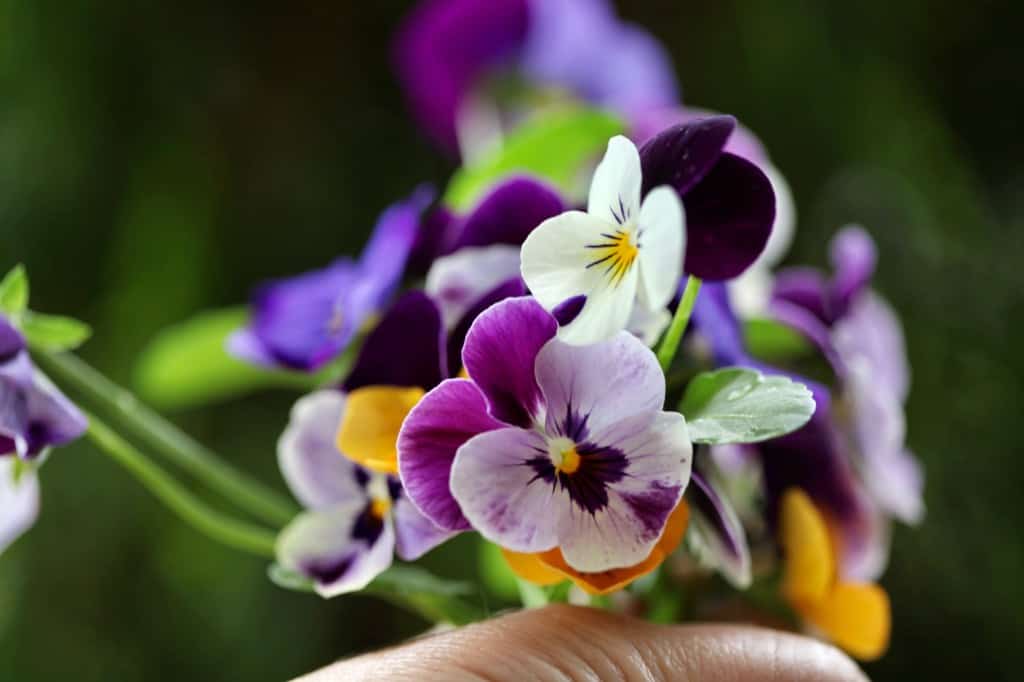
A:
(14, 291)
(54, 333)
(738, 405)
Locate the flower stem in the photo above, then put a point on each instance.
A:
(670, 342)
(224, 529)
(168, 440)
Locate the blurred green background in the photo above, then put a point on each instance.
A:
(160, 158)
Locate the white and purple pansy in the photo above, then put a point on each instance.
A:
(548, 445)
(594, 269)
(305, 321)
(720, 534)
(34, 416)
(356, 519)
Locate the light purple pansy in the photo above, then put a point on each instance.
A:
(19, 499)
(446, 51)
(34, 414)
(356, 519)
(549, 445)
(729, 201)
(860, 335)
(305, 321)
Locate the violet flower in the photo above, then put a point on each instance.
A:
(548, 445)
(34, 416)
(448, 51)
(305, 321)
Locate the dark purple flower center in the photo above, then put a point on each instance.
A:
(587, 479)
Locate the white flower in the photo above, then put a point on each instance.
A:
(619, 255)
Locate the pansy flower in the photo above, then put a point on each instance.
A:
(338, 456)
(356, 519)
(449, 52)
(717, 530)
(548, 445)
(34, 416)
(305, 321)
(860, 334)
(593, 268)
(855, 615)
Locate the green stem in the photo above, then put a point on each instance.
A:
(168, 440)
(226, 530)
(670, 343)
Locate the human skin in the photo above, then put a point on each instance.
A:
(567, 643)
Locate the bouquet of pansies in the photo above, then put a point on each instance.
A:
(578, 352)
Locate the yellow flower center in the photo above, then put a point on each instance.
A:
(617, 253)
(564, 457)
(379, 508)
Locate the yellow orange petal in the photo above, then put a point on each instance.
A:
(605, 582)
(369, 427)
(810, 567)
(529, 567)
(854, 616)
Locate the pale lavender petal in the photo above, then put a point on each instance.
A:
(317, 473)
(500, 352)
(53, 419)
(246, 345)
(341, 549)
(415, 534)
(19, 500)
(501, 493)
(638, 500)
(456, 282)
(806, 288)
(590, 388)
(720, 530)
(810, 325)
(897, 485)
(437, 426)
(871, 330)
(853, 260)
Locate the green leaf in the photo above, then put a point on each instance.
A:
(738, 405)
(187, 364)
(495, 572)
(434, 598)
(54, 333)
(532, 596)
(553, 147)
(289, 579)
(772, 341)
(14, 291)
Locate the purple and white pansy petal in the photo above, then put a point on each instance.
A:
(719, 530)
(499, 480)
(605, 256)
(415, 534)
(341, 548)
(500, 352)
(589, 389)
(456, 282)
(407, 347)
(434, 430)
(508, 213)
(315, 470)
(631, 476)
(19, 499)
(853, 256)
(872, 331)
(513, 287)
(34, 414)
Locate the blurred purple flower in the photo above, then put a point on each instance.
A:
(305, 321)
(34, 416)
(446, 50)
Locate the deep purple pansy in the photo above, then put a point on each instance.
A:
(548, 445)
(448, 52)
(305, 321)
(356, 519)
(719, 531)
(728, 200)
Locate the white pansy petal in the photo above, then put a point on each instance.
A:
(19, 500)
(662, 238)
(458, 281)
(605, 313)
(647, 325)
(555, 257)
(615, 189)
